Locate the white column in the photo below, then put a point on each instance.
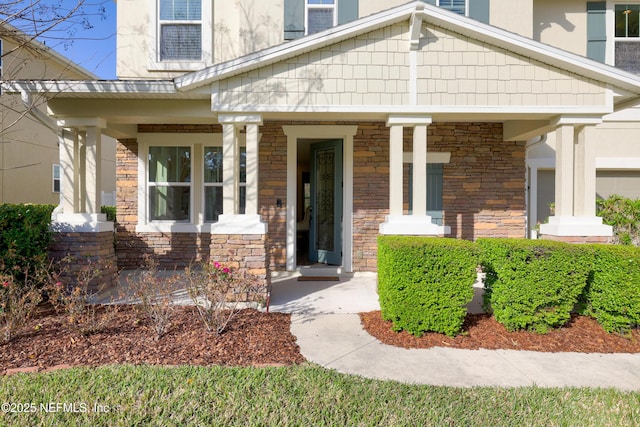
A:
(395, 171)
(419, 170)
(81, 176)
(92, 170)
(585, 173)
(229, 187)
(68, 183)
(564, 170)
(252, 169)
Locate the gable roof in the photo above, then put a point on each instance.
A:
(430, 14)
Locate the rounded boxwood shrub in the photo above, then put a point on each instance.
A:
(425, 283)
(533, 284)
(613, 294)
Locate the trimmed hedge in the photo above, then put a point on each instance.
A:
(533, 284)
(24, 238)
(425, 283)
(613, 292)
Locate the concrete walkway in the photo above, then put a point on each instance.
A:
(329, 333)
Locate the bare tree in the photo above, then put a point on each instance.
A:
(30, 32)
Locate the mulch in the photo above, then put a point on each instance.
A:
(252, 339)
(581, 334)
(255, 338)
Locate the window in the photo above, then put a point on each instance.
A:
(627, 36)
(627, 20)
(457, 6)
(213, 182)
(433, 188)
(180, 30)
(56, 179)
(320, 15)
(169, 183)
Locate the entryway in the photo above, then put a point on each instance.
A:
(319, 226)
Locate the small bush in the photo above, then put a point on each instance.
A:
(533, 284)
(219, 293)
(76, 300)
(153, 291)
(17, 304)
(424, 283)
(613, 294)
(623, 215)
(24, 240)
(110, 211)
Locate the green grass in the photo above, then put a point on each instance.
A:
(303, 395)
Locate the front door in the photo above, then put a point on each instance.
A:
(325, 231)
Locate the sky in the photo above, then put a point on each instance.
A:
(94, 48)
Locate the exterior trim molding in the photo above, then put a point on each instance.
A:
(81, 223)
(580, 226)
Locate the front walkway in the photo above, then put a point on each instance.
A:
(329, 333)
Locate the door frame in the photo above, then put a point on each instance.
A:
(346, 133)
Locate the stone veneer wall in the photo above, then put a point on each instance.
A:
(78, 252)
(247, 253)
(484, 190)
(578, 239)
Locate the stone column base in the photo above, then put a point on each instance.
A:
(81, 254)
(247, 254)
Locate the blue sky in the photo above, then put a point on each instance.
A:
(95, 48)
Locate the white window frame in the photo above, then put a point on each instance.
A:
(610, 56)
(197, 142)
(627, 39)
(154, 63)
(54, 179)
(466, 7)
(308, 7)
(170, 184)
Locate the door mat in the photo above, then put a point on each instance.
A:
(318, 278)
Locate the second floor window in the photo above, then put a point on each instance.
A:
(627, 20)
(457, 6)
(321, 15)
(180, 30)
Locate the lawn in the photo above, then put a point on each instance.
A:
(295, 395)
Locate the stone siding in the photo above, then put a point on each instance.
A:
(80, 253)
(578, 239)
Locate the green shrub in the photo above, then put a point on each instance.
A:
(624, 216)
(424, 283)
(533, 284)
(613, 293)
(110, 211)
(24, 239)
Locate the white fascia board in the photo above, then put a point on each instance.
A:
(296, 47)
(91, 86)
(413, 110)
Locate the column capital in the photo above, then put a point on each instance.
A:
(409, 120)
(240, 119)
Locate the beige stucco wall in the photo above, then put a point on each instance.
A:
(28, 150)
(561, 24)
(374, 69)
(513, 15)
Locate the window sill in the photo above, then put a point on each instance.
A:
(168, 227)
(176, 66)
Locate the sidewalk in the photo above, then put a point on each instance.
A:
(332, 336)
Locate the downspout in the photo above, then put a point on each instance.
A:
(50, 124)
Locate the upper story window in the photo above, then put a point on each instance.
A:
(627, 37)
(457, 6)
(180, 30)
(320, 15)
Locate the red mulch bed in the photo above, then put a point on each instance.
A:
(252, 339)
(582, 334)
